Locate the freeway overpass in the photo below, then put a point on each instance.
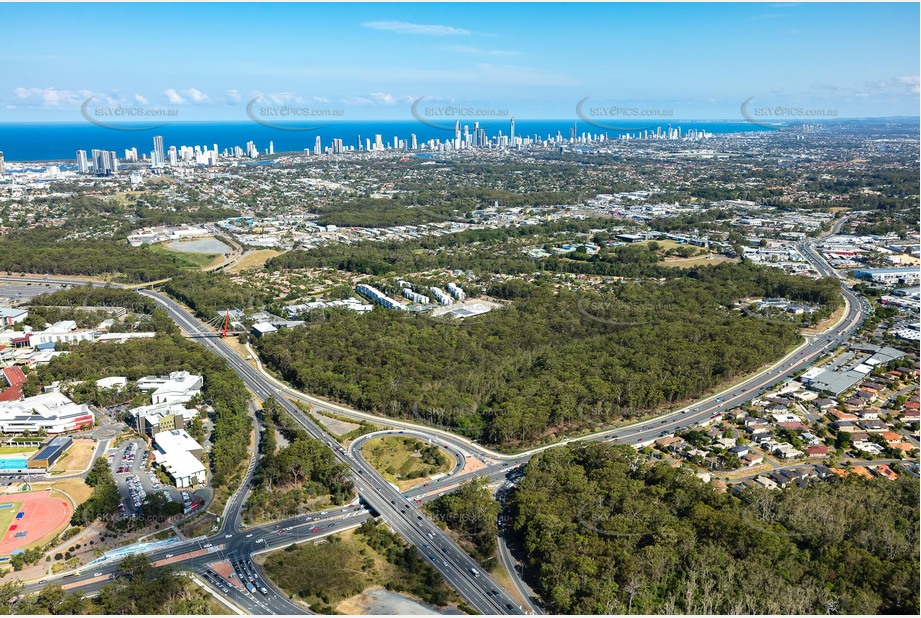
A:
(402, 513)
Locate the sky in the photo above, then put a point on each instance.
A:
(374, 61)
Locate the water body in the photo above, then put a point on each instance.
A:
(386, 602)
(13, 463)
(60, 141)
(199, 245)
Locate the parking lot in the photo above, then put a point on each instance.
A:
(134, 480)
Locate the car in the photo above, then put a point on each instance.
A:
(44, 581)
(208, 545)
(509, 606)
(322, 512)
(250, 535)
(260, 540)
(228, 536)
(97, 574)
(315, 529)
(169, 555)
(639, 439)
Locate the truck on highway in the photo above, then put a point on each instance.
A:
(474, 572)
(251, 588)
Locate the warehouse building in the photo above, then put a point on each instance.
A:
(890, 276)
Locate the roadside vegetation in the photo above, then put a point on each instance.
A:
(325, 574)
(605, 533)
(472, 515)
(403, 459)
(302, 476)
(140, 590)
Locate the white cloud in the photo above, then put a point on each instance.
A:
(911, 82)
(403, 27)
(141, 99)
(51, 97)
(173, 97)
(190, 95)
(232, 96)
(196, 95)
(376, 98)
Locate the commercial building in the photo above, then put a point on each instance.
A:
(178, 452)
(178, 387)
(10, 316)
(51, 412)
(890, 276)
(261, 329)
(64, 331)
(153, 419)
(50, 452)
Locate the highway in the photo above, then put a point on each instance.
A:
(459, 570)
(401, 511)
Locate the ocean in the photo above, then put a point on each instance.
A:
(60, 141)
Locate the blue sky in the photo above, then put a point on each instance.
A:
(371, 61)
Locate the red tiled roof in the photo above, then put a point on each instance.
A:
(15, 378)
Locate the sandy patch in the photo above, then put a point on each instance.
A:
(77, 458)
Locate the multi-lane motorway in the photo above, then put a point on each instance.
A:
(401, 512)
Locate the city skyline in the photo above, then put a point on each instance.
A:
(695, 61)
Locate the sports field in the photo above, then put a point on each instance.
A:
(31, 519)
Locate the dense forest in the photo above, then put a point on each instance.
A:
(604, 532)
(71, 303)
(287, 478)
(223, 389)
(139, 590)
(44, 251)
(211, 293)
(94, 296)
(550, 361)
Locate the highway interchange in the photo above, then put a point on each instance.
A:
(401, 511)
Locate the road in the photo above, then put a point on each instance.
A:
(459, 570)
(400, 511)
